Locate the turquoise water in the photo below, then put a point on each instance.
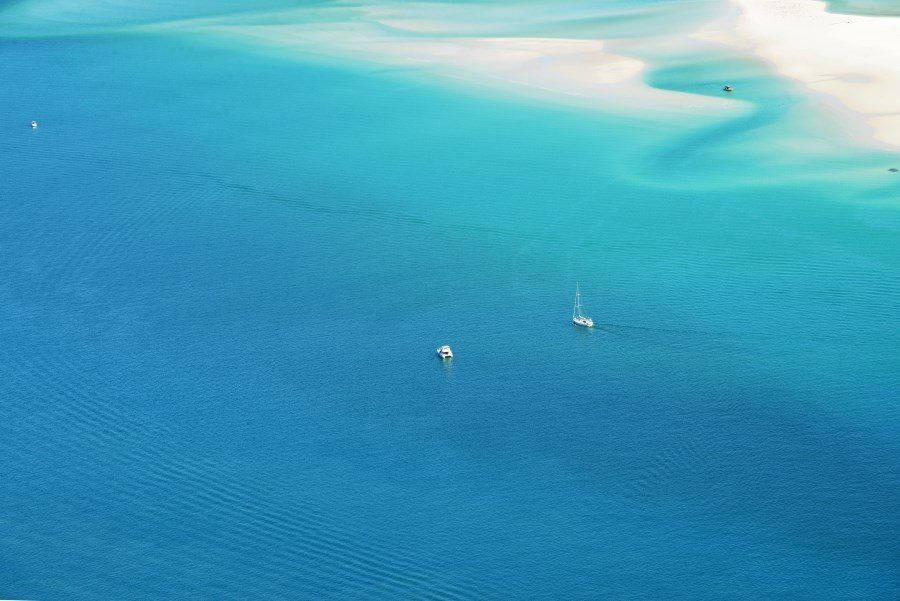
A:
(865, 7)
(225, 271)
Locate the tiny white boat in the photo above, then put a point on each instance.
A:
(578, 316)
(34, 125)
(728, 89)
(444, 352)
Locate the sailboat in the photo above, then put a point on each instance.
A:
(578, 316)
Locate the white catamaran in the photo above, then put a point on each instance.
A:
(578, 316)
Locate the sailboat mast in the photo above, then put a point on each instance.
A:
(577, 302)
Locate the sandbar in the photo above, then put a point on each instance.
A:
(851, 58)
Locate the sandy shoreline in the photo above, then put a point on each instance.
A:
(583, 72)
(853, 59)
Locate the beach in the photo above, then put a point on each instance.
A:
(587, 71)
(852, 59)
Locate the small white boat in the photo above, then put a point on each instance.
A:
(34, 125)
(578, 316)
(444, 352)
(728, 89)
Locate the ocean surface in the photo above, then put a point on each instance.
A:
(865, 7)
(224, 269)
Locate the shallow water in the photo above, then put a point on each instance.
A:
(865, 7)
(225, 272)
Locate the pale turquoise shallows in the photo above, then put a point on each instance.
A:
(865, 7)
(225, 271)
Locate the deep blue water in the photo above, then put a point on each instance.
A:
(224, 275)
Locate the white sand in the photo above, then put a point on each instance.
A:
(576, 71)
(478, 46)
(854, 59)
